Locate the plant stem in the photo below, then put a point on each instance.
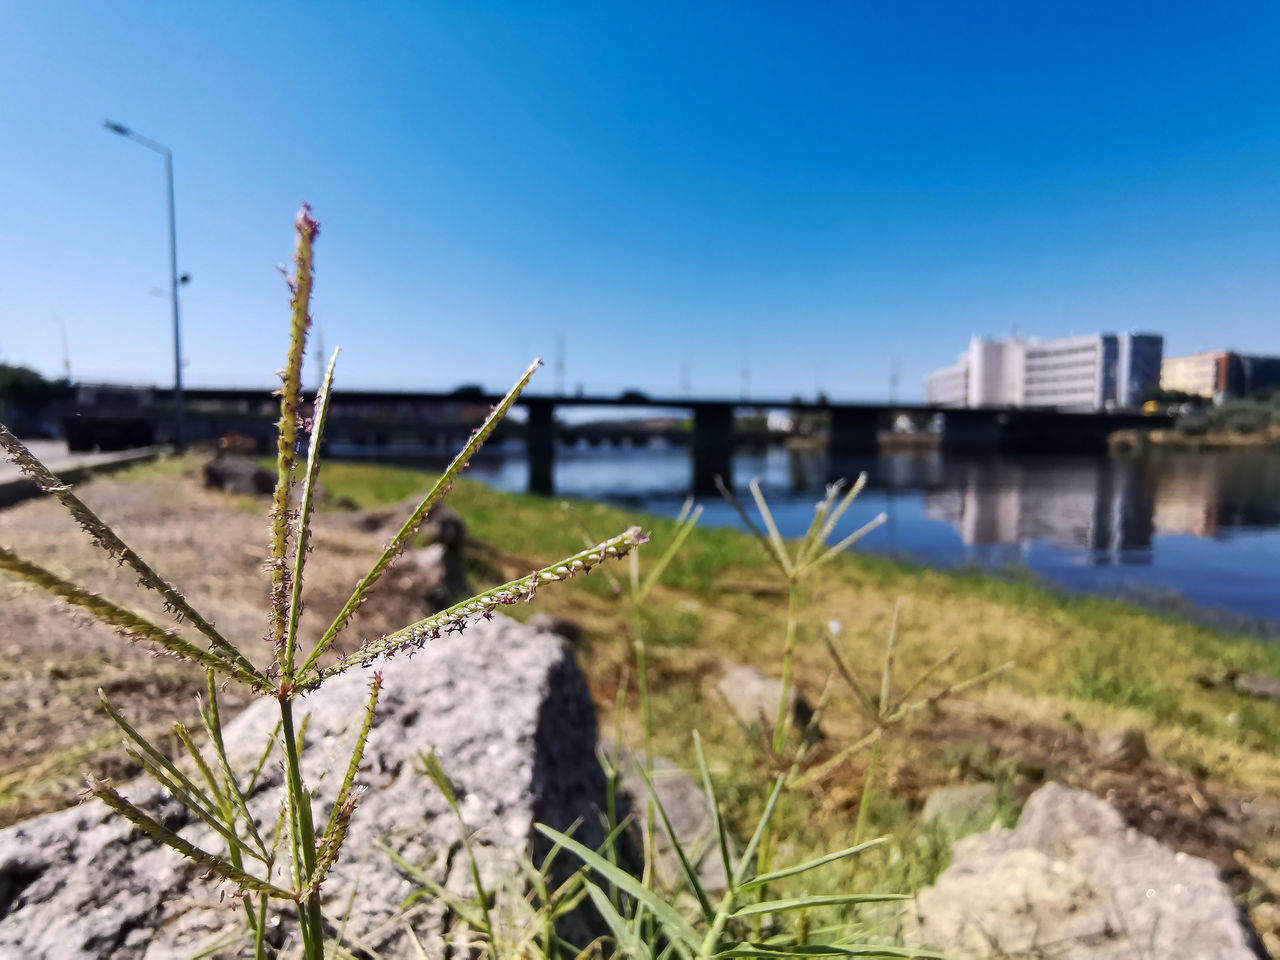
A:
(867, 788)
(304, 841)
(646, 723)
(781, 725)
(260, 930)
(764, 855)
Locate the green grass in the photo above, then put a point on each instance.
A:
(1074, 646)
(1080, 659)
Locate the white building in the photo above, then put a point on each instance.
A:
(1091, 372)
(949, 387)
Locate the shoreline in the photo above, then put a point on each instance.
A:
(1137, 440)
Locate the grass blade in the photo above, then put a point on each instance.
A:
(775, 538)
(682, 534)
(808, 903)
(436, 493)
(455, 618)
(157, 831)
(357, 753)
(630, 945)
(212, 720)
(886, 677)
(748, 855)
(808, 865)
(106, 538)
(852, 538)
(722, 834)
(319, 415)
(690, 875)
(851, 679)
(184, 735)
(928, 672)
(750, 524)
(126, 621)
(834, 517)
(754, 951)
(811, 539)
(671, 921)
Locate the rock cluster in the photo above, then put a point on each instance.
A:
(1073, 882)
(504, 706)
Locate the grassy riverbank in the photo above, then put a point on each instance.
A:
(1082, 664)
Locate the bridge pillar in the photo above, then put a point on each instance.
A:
(852, 432)
(712, 447)
(540, 445)
(965, 431)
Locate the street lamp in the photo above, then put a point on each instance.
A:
(160, 148)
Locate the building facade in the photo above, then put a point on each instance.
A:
(1092, 372)
(1219, 374)
(1199, 374)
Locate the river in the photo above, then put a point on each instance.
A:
(1196, 533)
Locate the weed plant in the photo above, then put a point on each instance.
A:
(692, 921)
(634, 594)
(645, 923)
(796, 563)
(288, 861)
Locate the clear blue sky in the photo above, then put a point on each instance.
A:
(814, 188)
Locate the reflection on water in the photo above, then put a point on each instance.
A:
(1104, 508)
(1199, 529)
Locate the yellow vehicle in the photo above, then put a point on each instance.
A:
(1150, 407)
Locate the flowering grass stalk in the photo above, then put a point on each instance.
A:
(215, 794)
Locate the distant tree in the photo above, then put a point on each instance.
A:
(22, 386)
(1160, 395)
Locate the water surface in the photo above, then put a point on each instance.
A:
(1198, 532)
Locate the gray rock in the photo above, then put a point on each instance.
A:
(1250, 684)
(961, 810)
(753, 698)
(442, 524)
(238, 474)
(1257, 685)
(687, 808)
(557, 625)
(506, 709)
(433, 576)
(1072, 882)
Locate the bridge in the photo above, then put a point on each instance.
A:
(106, 417)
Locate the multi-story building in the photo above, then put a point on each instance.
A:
(1219, 374)
(949, 387)
(1199, 374)
(1087, 373)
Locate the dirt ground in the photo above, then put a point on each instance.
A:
(211, 546)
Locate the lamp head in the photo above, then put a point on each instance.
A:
(119, 128)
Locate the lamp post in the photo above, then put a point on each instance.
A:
(160, 148)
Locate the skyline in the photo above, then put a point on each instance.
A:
(818, 196)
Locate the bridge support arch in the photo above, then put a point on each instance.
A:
(853, 432)
(712, 447)
(540, 445)
(972, 431)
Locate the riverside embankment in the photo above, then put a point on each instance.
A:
(1210, 785)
